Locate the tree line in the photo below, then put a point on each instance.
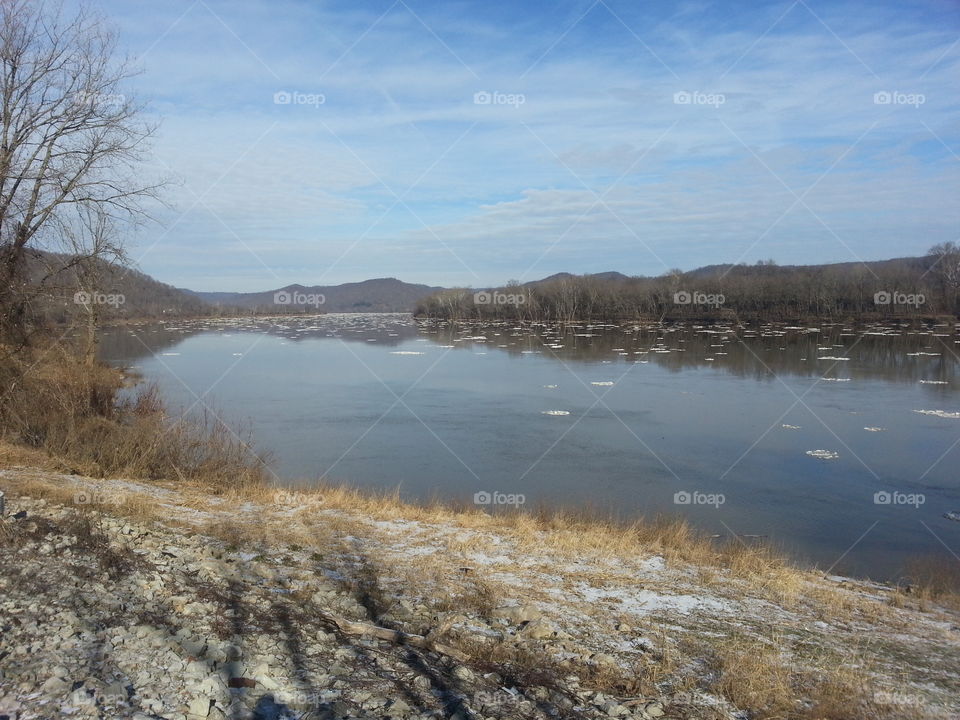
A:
(911, 287)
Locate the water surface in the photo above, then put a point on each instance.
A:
(617, 418)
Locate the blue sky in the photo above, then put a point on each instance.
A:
(470, 143)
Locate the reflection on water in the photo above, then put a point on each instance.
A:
(811, 436)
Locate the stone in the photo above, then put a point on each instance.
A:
(55, 686)
(653, 709)
(517, 614)
(539, 629)
(199, 706)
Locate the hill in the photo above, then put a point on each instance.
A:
(377, 295)
(126, 292)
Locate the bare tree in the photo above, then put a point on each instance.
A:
(946, 269)
(71, 136)
(95, 249)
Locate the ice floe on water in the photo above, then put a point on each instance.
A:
(834, 358)
(874, 429)
(406, 352)
(940, 414)
(826, 379)
(555, 412)
(927, 354)
(790, 427)
(602, 383)
(170, 354)
(934, 382)
(823, 454)
(551, 387)
(952, 515)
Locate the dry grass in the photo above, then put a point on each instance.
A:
(52, 401)
(762, 678)
(935, 578)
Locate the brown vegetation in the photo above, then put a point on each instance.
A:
(763, 291)
(51, 399)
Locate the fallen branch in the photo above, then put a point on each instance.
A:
(394, 636)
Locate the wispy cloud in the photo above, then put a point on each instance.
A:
(699, 124)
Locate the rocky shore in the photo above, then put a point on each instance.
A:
(133, 600)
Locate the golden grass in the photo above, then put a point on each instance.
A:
(53, 401)
(761, 678)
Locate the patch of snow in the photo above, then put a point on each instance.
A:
(940, 414)
(823, 454)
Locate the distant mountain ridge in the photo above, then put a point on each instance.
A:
(146, 297)
(376, 295)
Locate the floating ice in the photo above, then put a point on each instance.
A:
(835, 379)
(934, 382)
(952, 515)
(550, 387)
(823, 454)
(832, 357)
(602, 383)
(874, 429)
(554, 412)
(940, 413)
(405, 352)
(790, 427)
(170, 354)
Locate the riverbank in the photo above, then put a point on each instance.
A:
(139, 599)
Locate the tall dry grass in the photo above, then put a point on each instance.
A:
(762, 679)
(52, 400)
